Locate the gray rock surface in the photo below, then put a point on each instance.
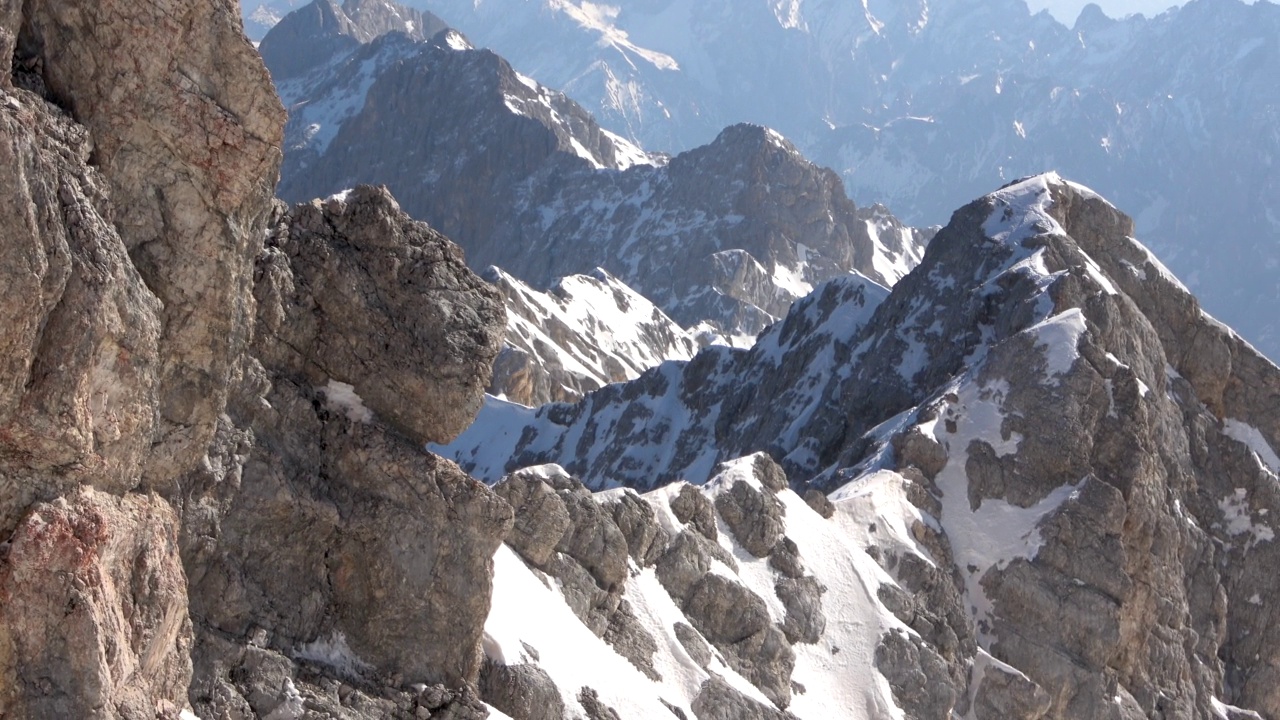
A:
(541, 518)
(192, 513)
(753, 516)
(719, 701)
(326, 475)
(805, 621)
(94, 618)
(525, 692)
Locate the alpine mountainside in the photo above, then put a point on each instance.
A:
(729, 234)
(921, 105)
(585, 332)
(1050, 477)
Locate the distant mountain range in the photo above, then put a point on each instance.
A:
(722, 238)
(920, 105)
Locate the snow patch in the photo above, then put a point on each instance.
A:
(997, 532)
(1253, 438)
(333, 652)
(1239, 518)
(342, 398)
(1059, 338)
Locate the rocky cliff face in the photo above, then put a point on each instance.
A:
(1079, 463)
(523, 178)
(204, 437)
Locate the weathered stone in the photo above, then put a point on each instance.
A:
(191, 186)
(693, 644)
(318, 494)
(692, 507)
(717, 700)
(595, 541)
(785, 558)
(79, 330)
(525, 692)
(725, 611)
(344, 281)
(541, 518)
(918, 676)
(93, 609)
(646, 539)
(596, 710)
(687, 559)
(1005, 694)
(754, 517)
(818, 500)
(802, 598)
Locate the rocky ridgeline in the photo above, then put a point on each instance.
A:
(523, 178)
(1085, 464)
(204, 439)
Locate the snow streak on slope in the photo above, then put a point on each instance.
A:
(585, 332)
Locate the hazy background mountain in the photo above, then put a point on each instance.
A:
(921, 106)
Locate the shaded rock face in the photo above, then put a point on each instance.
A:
(333, 465)
(729, 234)
(94, 612)
(80, 345)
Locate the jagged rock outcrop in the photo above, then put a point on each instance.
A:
(333, 464)
(683, 612)
(128, 251)
(187, 187)
(729, 234)
(344, 282)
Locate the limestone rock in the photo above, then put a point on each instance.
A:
(805, 621)
(541, 518)
(754, 517)
(94, 614)
(687, 559)
(717, 700)
(190, 187)
(818, 500)
(525, 692)
(646, 539)
(919, 677)
(345, 281)
(79, 329)
(694, 508)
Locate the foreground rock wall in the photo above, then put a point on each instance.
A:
(211, 487)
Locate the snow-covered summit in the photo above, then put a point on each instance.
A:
(1034, 436)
